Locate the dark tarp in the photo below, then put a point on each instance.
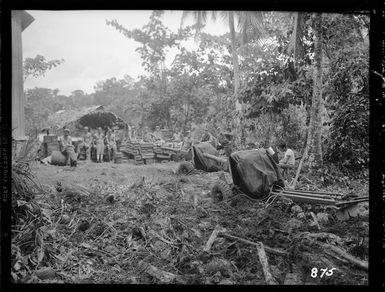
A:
(204, 163)
(254, 172)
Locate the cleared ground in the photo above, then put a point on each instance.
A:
(158, 230)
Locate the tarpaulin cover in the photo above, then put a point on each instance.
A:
(204, 163)
(254, 172)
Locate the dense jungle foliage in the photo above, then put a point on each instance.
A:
(276, 83)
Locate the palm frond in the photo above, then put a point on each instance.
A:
(214, 15)
(224, 15)
(185, 15)
(250, 26)
(200, 18)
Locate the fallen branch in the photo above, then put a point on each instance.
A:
(304, 157)
(307, 180)
(359, 263)
(164, 240)
(163, 276)
(331, 253)
(82, 189)
(138, 183)
(268, 249)
(212, 238)
(320, 235)
(315, 220)
(195, 199)
(265, 265)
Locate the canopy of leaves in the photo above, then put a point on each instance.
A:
(38, 66)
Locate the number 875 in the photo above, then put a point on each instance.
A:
(327, 272)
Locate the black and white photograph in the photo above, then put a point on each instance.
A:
(190, 147)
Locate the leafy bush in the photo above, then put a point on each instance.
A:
(348, 143)
(294, 126)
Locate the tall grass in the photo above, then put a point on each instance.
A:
(24, 182)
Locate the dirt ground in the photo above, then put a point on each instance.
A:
(162, 229)
(89, 172)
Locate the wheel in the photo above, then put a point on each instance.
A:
(188, 155)
(175, 157)
(221, 191)
(185, 167)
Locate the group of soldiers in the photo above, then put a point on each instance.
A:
(91, 142)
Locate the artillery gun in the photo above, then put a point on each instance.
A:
(204, 157)
(255, 174)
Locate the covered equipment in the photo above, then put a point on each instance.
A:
(204, 157)
(201, 162)
(254, 172)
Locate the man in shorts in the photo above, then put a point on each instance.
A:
(288, 160)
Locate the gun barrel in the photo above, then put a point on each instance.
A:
(215, 158)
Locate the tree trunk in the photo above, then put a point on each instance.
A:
(187, 113)
(234, 53)
(313, 146)
(316, 146)
(238, 105)
(269, 131)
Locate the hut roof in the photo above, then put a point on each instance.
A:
(84, 116)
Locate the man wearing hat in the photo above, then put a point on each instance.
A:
(87, 142)
(111, 145)
(99, 142)
(147, 135)
(206, 136)
(177, 137)
(226, 142)
(67, 148)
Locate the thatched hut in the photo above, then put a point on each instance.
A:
(91, 117)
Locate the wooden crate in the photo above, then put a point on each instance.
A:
(49, 147)
(50, 139)
(149, 161)
(148, 156)
(162, 156)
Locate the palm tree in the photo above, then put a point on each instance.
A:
(249, 24)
